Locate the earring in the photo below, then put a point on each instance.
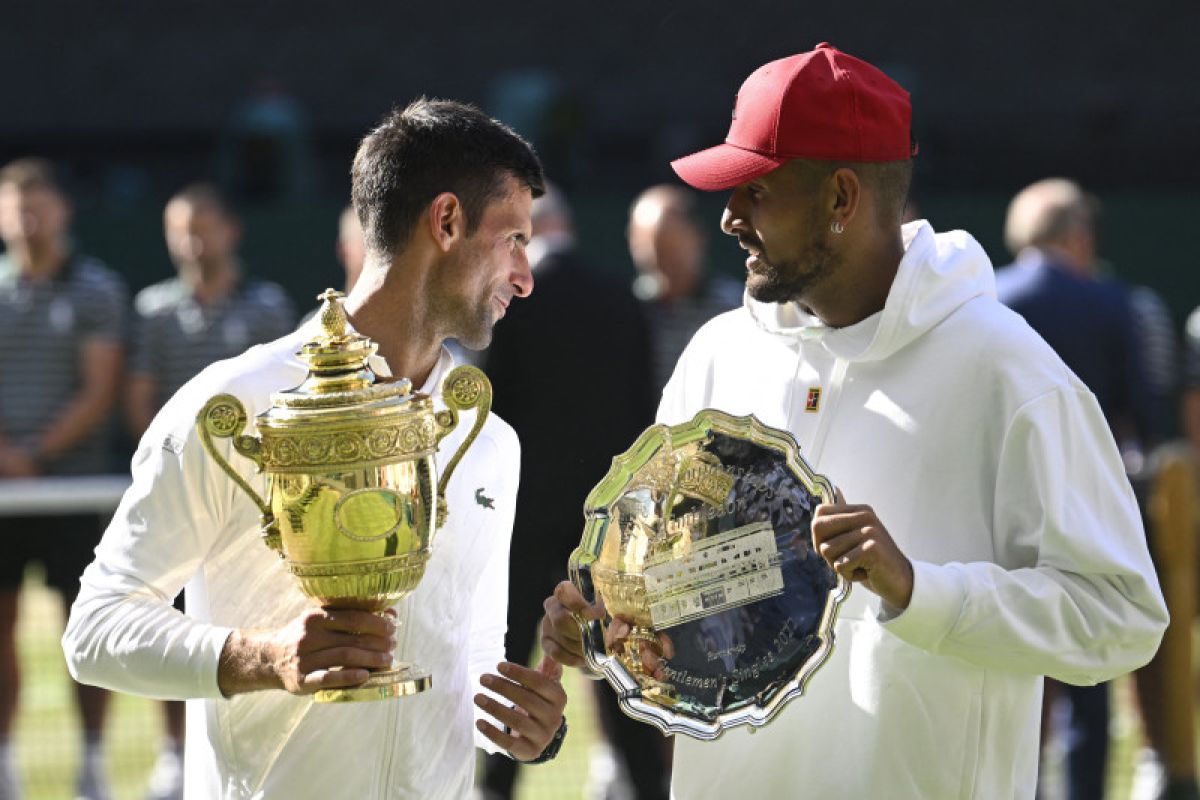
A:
(837, 227)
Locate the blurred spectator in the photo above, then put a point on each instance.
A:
(571, 374)
(1159, 349)
(1089, 322)
(667, 244)
(62, 318)
(1191, 379)
(351, 250)
(209, 311)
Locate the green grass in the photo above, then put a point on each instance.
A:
(47, 744)
(46, 739)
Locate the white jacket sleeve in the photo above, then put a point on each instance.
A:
(1072, 593)
(123, 633)
(489, 615)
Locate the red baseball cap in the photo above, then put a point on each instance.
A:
(822, 105)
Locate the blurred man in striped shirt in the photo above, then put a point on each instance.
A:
(62, 318)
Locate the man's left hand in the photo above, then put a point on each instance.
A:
(854, 542)
(537, 699)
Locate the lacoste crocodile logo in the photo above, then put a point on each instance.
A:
(483, 499)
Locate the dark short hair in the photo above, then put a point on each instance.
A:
(890, 181)
(204, 196)
(430, 147)
(29, 173)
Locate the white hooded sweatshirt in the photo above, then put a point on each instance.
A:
(992, 467)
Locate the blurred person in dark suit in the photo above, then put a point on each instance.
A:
(571, 372)
(1090, 322)
(210, 310)
(62, 315)
(668, 244)
(1156, 385)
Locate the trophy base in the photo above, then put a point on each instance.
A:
(400, 681)
(660, 694)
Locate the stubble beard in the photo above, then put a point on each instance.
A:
(477, 335)
(789, 281)
(472, 324)
(467, 320)
(468, 323)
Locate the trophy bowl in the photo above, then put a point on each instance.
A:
(353, 496)
(699, 539)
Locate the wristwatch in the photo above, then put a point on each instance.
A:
(555, 745)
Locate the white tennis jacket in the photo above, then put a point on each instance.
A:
(990, 464)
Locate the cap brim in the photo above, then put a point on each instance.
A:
(723, 167)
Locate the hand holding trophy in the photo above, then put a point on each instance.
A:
(353, 497)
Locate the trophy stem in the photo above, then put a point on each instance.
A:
(401, 680)
(651, 688)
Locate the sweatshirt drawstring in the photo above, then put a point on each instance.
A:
(790, 421)
(840, 366)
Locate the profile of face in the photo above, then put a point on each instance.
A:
(199, 234)
(34, 216)
(777, 219)
(481, 276)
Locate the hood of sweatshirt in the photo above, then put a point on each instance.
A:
(938, 274)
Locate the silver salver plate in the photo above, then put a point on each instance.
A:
(699, 538)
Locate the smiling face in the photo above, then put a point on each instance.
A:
(780, 221)
(480, 278)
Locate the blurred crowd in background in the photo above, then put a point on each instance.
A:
(92, 348)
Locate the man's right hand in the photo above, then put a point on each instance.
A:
(562, 638)
(323, 648)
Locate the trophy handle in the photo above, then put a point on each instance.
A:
(465, 387)
(224, 417)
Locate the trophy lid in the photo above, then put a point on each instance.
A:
(339, 375)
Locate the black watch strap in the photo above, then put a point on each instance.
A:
(555, 745)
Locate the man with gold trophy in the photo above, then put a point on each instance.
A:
(391, 508)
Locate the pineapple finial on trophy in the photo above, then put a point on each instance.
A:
(332, 314)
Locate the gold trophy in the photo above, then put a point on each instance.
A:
(351, 478)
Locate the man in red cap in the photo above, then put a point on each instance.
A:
(1001, 541)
